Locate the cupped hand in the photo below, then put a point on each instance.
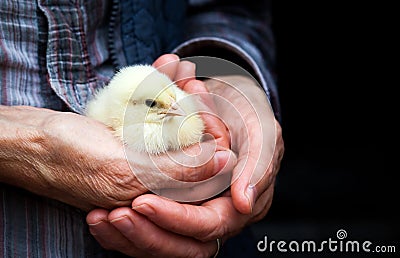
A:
(77, 160)
(157, 226)
(256, 138)
(244, 122)
(242, 111)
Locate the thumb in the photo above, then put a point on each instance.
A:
(217, 173)
(215, 126)
(183, 168)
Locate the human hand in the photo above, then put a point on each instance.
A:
(254, 133)
(157, 226)
(66, 157)
(77, 160)
(256, 139)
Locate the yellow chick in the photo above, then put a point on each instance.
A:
(147, 110)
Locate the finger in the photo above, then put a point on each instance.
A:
(196, 163)
(214, 125)
(263, 204)
(256, 170)
(214, 219)
(199, 191)
(167, 64)
(249, 162)
(186, 72)
(96, 216)
(181, 183)
(154, 240)
(108, 236)
(266, 183)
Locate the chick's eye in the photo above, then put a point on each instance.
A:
(150, 102)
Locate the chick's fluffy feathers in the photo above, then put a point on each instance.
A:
(147, 110)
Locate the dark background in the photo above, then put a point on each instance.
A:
(334, 173)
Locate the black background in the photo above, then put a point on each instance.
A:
(335, 172)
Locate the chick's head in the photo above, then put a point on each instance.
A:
(158, 115)
(147, 110)
(153, 101)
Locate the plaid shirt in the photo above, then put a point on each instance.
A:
(54, 54)
(46, 56)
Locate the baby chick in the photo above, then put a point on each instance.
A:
(147, 110)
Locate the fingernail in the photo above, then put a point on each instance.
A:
(124, 224)
(92, 231)
(95, 224)
(144, 209)
(94, 227)
(250, 195)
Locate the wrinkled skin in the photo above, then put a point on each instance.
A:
(158, 227)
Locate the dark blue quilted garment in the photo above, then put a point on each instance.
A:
(146, 28)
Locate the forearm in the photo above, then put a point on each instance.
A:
(51, 153)
(21, 140)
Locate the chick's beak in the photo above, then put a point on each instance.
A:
(175, 110)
